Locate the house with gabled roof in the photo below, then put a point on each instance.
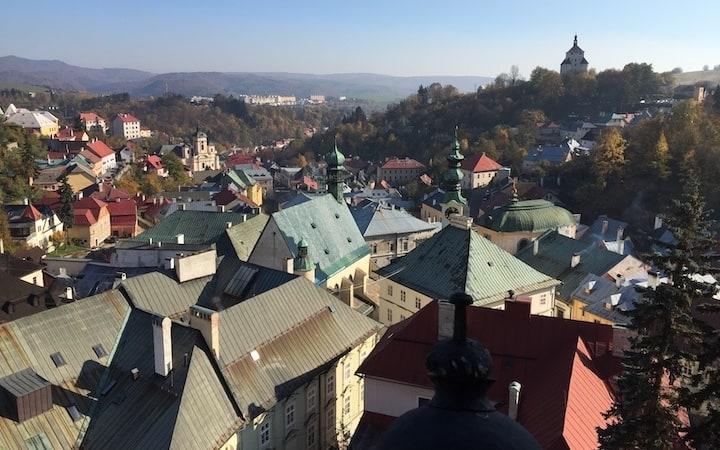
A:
(91, 222)
(399, 171)
(32, 224)
(571, 260)
(390, 232)
(93, 122)
(551, 375)
(457, 259)
(479, 171)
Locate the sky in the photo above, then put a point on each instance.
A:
(394, 37)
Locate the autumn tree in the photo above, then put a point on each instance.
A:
(608, 156)
(660, 157)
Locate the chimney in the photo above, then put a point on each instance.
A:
(162, 345)
(619, 280)
(653, 279)
(170, 263)
(575, 260)
(590, 286)
(180, 238)
(604, 227)
(446, 315)
(26, 201)
(244, 217)
(514, 399)
(150, 241)
(207, 322)
(69, 293)
(62, 271)
(221, 208)
(35, 300)
(290, 265)
(121, 275)
(658, 222)
(182, 206)
(536, 247)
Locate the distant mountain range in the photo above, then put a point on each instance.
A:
(59, 75)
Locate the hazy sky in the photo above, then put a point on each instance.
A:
(397, 37)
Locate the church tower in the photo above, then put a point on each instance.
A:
(335, 160)
(454, 202)
(574, 61)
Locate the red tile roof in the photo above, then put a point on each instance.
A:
(100, 149)
(155, 162)
(90, 156)
(403, 163)
(122, 207)
(31, 213)
(246, 200)
(563, 394)
(239, 158)
(68, 134)
(480, 163)
(51, 199)
(225, 197)
(83, 217)
(90, 117)
(128, 118)
(58, 156)
(111, 194)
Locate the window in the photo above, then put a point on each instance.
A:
(289, 415)
(346, 404)
(374, 248)
(311, 437)
(347, 371)
(58, 359)
(405, 245)
(311, 397)
(363, 354)
(389, 315)
(418, 304)
(390, 290)
(391, 247)
(402, 296)
(330, 389)
(543, 299)
(361, 391)
(330, 417)
(265, 433)
(99, 350)
(402, 317)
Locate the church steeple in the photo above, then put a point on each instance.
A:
(575, 41)
(335, 160)
(453, 176)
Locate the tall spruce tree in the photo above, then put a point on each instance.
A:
(65, 213)
(646, 412)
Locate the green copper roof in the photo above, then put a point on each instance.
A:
(461, 260)
(240, 178)
(333, 239)
(335, 158)
(528, 215)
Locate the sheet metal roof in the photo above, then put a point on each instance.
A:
(160, 293)
(375, 219)
(199, 227)
(72, 330)
(549, 356)
(461, 260)
(295, 328)
(245, 235)
(555, 253)
(193, 413)
(334, 240)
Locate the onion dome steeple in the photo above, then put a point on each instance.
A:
(335, 160)
(453, 176)
(302, 265)
(459, 416)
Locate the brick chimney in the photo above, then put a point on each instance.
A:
(575, 260)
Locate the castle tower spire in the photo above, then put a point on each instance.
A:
(575, 41)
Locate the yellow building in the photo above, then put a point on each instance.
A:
(91, 222)
(42, 123)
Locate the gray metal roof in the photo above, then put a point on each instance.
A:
(23, 382)
(376, 219)
(160, 293)
(245, 235)
(72, 330)
(192, 412)
(295, 328)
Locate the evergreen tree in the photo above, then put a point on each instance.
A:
(65, 213)
(645, 415)
(661, 157)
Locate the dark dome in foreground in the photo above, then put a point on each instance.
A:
(459, 416)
